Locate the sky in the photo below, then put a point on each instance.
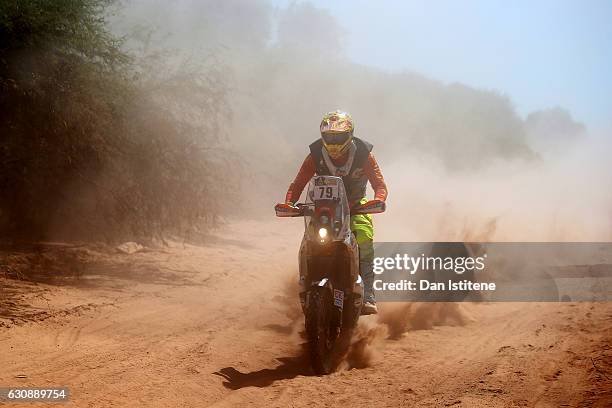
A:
(542, 53)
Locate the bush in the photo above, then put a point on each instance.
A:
(92, 145)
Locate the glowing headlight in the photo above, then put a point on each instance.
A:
(322, 233)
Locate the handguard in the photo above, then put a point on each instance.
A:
(288, 210)
(371, 207)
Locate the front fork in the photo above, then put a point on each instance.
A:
(346, 306)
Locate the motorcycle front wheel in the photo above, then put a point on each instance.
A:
(321, 331)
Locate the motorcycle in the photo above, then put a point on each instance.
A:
(330, 287)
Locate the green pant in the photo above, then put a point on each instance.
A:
(363, 228)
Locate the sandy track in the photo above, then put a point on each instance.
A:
(215, 326)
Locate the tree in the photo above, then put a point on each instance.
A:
(86, 151)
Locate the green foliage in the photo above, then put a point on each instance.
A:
(91, 145)
(71, 26)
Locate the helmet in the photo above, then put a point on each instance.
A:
(337, 132)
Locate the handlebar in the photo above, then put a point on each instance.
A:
(305, 209)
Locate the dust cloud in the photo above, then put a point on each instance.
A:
(366, 345)
(459, 162)
(392, 321)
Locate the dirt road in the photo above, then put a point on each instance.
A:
(217, 326)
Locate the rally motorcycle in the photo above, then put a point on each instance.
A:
(330, 287)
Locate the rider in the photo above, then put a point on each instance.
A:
(339, 153)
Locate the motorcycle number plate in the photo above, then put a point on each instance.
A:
(330, 192)
(338, 298)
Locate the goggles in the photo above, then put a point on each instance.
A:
(336, 138)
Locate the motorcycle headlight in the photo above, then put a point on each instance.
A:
(323, 233)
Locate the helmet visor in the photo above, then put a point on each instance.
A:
(336, 138)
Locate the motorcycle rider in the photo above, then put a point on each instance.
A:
(339, 153)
